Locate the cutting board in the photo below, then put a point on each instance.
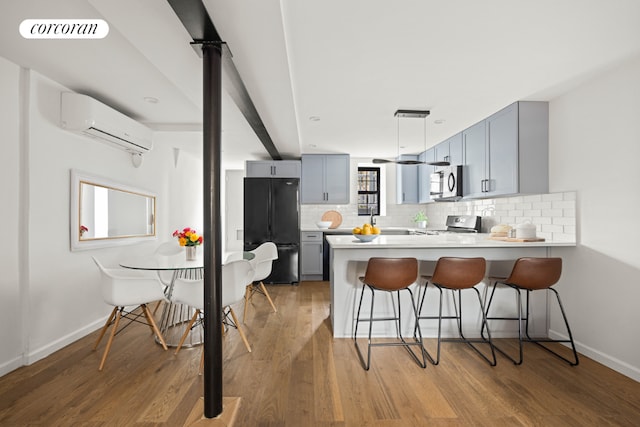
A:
(514, 239)
(334, 217)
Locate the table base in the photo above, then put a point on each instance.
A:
(174, 320)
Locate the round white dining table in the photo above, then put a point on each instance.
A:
(174, 316)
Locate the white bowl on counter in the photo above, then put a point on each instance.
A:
(324, 224)
(366, 237)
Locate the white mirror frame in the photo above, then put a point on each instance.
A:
(77, 178)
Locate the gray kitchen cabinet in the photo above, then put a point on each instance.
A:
(273, 169)
(450, 150)
(407, 181)
(311, 243)
(473, 175)
(514, 156)
(424, 175)
(325, 178)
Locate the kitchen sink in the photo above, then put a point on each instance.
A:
(394, 231)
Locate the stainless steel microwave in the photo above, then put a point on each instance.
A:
(446, 184)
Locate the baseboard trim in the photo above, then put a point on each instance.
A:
(617, 365)
(52, 347)
(11, 365)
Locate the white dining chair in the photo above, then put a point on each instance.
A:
(235, 275)
(166, 249)
(122, 289)
(262, 262)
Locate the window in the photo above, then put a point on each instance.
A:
(368, 190)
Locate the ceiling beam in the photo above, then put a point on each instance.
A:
(196, 20)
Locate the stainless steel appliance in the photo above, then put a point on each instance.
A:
(457, 224)
(446, 184)
(272, 214)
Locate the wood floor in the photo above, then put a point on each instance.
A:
(298, 376)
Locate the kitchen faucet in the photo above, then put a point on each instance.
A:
(372, 220)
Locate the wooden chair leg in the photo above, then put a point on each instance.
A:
(158, 304)
(187, 330)
(105, 327)
(110, 341)
(247, 298)
(240, 331)
(152, 322)
(264, 289)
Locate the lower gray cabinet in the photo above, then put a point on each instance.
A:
(311, 255)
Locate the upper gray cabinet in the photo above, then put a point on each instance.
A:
(407, 181)
(450, 150)
(273, 169)
(473, 175)
(507, 153)
(325, 178)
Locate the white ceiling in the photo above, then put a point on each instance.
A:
(350, 63)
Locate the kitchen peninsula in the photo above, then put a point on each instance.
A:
(349, 258)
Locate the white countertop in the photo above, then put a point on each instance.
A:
(480, 240)
(350, 229)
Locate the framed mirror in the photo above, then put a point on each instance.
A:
(107, 213)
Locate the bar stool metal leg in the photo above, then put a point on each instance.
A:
(390, 275)
(532, 274)
(447, 277)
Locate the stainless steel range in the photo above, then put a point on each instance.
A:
(458, 224)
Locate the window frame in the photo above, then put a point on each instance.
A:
(377, 192)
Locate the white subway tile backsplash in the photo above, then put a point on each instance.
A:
(565, 220)
(541, 205)
(541, 220)
(565, 204)
(554, 215)
(532, 198)
(532, 212)
(552, 212)
(552, 196)
(552, 229)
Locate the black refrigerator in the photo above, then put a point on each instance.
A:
(272, 214)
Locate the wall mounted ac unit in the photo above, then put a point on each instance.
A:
(85, 115)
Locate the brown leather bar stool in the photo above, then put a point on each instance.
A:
(533, 274)
(390, 275)
(456, 274)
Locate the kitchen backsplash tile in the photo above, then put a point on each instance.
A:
(554, 214)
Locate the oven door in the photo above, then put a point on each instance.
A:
(452, 182)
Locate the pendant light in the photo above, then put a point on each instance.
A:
(411, 114)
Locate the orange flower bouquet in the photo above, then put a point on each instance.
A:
(188, 237)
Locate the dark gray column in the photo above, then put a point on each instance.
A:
(211, 149)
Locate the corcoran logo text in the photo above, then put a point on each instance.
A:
(64, 28)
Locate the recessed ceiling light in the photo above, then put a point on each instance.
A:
(151, 99)
(314, 118)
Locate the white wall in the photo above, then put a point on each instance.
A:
(594, 134)
(234, 210)
(14, 238)
(50, 295)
